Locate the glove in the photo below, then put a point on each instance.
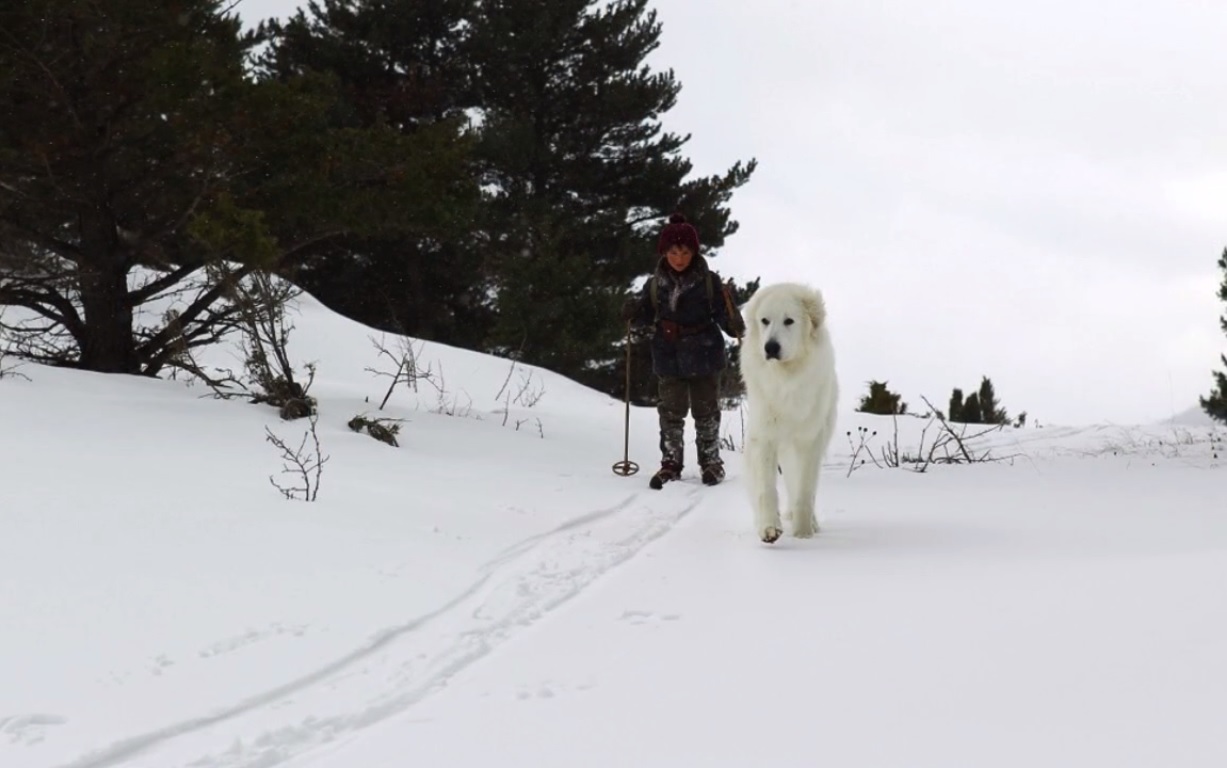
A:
(630, 308)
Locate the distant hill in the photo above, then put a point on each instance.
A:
(1192, 417)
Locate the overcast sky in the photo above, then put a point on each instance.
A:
(1036, 192)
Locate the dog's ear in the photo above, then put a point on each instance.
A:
(815, 310)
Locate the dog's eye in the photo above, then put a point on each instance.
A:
(788, 321)
(765, 321)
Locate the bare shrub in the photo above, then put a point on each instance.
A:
(36, 340)
(449, 405)
(727, 441)
(947, 445)
(261, 302)
(527, 394)
(408, 370)
(1182, 443)
(8, 365)
(304, 463)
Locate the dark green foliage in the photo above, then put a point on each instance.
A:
(1215, 405)
(991, 411)
(400, 68)
(399, 62)
(114, 122)
(491, 174)
(956, 404)
(133, 137)
(577, 172)
(579, 175)
(980, 407)
(971, 413)
(880, 400)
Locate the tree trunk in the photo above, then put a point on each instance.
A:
(107, 343)
(416, 306)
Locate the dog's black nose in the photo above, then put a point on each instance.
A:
(772, 348)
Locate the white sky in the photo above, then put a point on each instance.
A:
(1036, 192)
(1032, 191)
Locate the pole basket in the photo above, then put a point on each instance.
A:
(625, 468)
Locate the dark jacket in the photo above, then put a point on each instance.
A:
(686, 338)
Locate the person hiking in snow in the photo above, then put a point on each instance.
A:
(686, 306)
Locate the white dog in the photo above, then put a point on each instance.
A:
(788, 366)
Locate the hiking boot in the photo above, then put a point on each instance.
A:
(713, 474)
(668, 471)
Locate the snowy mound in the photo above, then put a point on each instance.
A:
(164, 605)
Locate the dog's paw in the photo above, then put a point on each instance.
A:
(769, 534)
(805, 528)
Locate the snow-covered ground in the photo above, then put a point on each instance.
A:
(490, 593)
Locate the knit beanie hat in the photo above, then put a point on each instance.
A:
(678, 232)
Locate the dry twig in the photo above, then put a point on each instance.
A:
(305, 464)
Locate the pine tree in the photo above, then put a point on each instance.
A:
(991, 411)
(880, 400)
(1215, 405)
(107, 145)
(956, 405)
(971, 412)
(399, 63)
(580, 176)
(135, 139)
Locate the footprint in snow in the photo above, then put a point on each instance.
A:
(549, 690)
(28, 729)
(647, 617)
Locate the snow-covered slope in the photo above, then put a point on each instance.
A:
(491, 593)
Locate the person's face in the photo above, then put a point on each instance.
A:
(679, 257)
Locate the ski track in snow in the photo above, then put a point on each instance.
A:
(402, 665)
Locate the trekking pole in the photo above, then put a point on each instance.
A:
(627, 467)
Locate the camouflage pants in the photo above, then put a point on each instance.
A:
(701, 397)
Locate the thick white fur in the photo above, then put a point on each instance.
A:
(792, 403)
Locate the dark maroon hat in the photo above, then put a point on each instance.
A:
(678, 232)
